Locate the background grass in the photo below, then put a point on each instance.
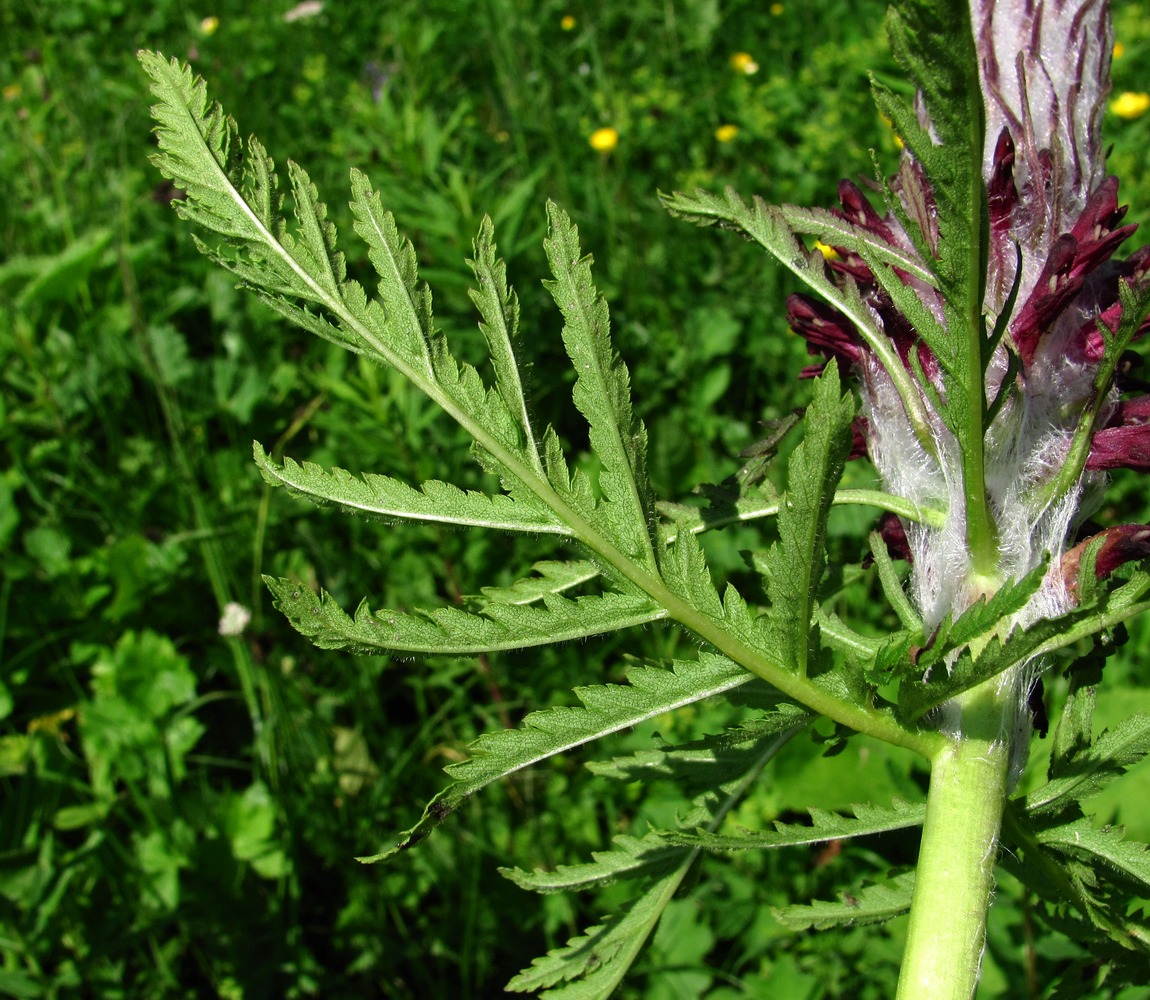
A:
(180, 808)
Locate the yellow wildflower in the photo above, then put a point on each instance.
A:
(11, 92)
(725, 133)
(830, 253)
(1119, 50)
(50, 725)
(208, 25)
(603, 140)
(1130, 105)
(568, 22)
(776, 9)
(741, 62)
(889, 124)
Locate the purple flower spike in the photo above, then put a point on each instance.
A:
(826, 330)
(1051, 107)
(1052, 284)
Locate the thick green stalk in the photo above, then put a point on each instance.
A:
(955, 875)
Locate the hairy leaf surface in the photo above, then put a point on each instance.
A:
(796, 562)
(550, 577)
(452, 631)
(598, 961)
(634, 857)
(606, 709)
(1105, 848)
(592, 965)
(1091, 769)
(868, 819)
(602, 393)
(872, 904)
(384, 497)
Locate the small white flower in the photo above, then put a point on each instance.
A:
(309, 8)
(234, 619)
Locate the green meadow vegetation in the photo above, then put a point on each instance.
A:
(185, 780)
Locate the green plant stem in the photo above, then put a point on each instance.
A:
(955, 875)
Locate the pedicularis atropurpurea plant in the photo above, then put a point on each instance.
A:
(977, 327)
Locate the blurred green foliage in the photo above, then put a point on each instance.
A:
(180, 808)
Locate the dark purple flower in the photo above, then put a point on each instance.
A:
(1055, 224)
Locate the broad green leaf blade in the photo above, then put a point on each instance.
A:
(606, 709)
(1090, 770)
(453, 632)
(1105, 848)
(872, 904)
(634, 858)
(384, 497)
(867, 820)
(796, 562)
(602, 393)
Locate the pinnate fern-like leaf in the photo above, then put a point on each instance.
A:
(633, 857)
(1111, 607)
(767, 225)
(872, 904)
(982, 616)
(868, 819)
(684, 569)
(1104, 849)
(606, 709)
(301, 273)
(452, 631)
(550, 577)
(796, 562)
(592, 965)
(602, 393)
(383, 497)
(834, 230)
(1085, 773)
(404, 300)
(701, 767)
(499, 311)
